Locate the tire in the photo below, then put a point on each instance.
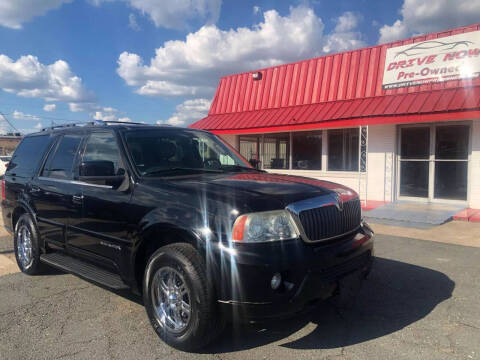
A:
(27, 252)
(196, 327)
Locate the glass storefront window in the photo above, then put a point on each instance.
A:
(276, 151)
(307, 150)
(343, 149)
(249, 149)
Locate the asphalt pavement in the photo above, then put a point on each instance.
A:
(420, 302)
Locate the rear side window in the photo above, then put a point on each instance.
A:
(60, 162)
(28, 155)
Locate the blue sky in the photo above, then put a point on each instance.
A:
(157, 61)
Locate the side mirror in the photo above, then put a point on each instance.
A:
(100, 172)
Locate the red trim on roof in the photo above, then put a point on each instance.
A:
(400, 119)
(402, 108)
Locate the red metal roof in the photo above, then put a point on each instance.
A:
(345, 86)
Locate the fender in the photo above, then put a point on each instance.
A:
(23, 204)
(190, 227)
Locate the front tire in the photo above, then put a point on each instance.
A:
(179, 299)
(26, 245)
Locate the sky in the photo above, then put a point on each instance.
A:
(159, 61)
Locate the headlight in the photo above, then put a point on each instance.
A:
(264, 226)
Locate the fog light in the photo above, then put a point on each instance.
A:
(276, 281)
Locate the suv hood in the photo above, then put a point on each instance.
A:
(257, 191)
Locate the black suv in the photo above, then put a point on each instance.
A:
(178, 216)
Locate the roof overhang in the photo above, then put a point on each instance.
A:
(379, 120)
(430, 106)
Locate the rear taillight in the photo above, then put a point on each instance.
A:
(3, 189)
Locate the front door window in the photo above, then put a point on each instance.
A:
(414, 161)
(451, 162)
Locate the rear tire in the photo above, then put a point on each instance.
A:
(26, 245)
(179, 298)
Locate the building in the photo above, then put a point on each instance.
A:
(393, 121)
(8, 143)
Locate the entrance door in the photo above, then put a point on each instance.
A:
(415, 162)
(451, 162)
(433, 162)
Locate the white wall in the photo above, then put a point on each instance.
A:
(381, 162)
(474, 180)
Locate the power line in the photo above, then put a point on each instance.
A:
(8, 121)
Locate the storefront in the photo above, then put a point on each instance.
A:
(393, 121)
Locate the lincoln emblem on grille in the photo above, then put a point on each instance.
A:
(339, 203)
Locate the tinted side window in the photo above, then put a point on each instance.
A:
(61, 163)
(28, 155)
(102, 150)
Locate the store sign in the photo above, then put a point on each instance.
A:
(444, 59)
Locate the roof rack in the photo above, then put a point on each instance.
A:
(124, 123)
(93, 123)
(90, 123)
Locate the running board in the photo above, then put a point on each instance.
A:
(84, 270)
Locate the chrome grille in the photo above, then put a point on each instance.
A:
(328, 222)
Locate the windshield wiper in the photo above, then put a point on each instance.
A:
(175, 169)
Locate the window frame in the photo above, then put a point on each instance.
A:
(323, 134)
(53, 151)
(83, 147)
(344, 170)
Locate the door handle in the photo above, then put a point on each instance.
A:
(35, 189)
(77, 199)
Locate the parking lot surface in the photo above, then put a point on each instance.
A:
(420, 302)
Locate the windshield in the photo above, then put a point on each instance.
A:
(162, 151)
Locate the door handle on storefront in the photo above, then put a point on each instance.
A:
(77, 199)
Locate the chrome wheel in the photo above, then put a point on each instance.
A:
(24, 246)
(171, 299)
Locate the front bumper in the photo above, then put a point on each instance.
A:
(310, 272)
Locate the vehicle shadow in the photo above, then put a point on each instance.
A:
(395, 295)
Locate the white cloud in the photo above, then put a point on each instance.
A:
(188, 112)
(18, 115)
(13, 13)
(193, 67)
(175, 14)
(27, 77)
(132, 22)
(424, 16)
(344, 37)
(347, 22)
(107, 114)
(256, 9)
(49, 107)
